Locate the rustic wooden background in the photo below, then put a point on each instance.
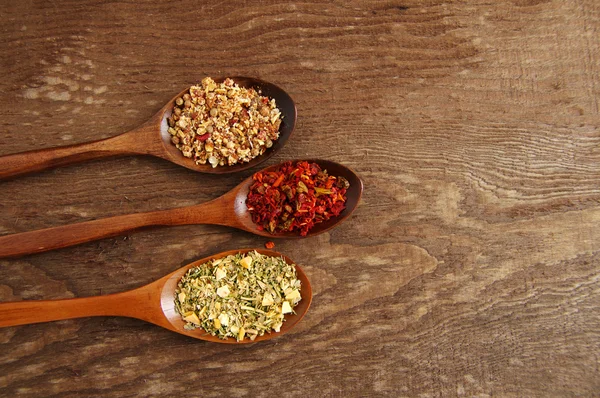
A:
(471, 268)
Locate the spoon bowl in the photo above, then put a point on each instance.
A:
(169, 284)
(288, 122)
(154, 303)
(353, 195)
(152, 138)
(229, 210)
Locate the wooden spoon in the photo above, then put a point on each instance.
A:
(154, 303)
(229, 210)
(151, 138)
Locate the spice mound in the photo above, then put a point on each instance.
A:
(240, 296)
(223, 123)
(295, 197)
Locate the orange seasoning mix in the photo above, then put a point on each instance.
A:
(295, 197)
(223, 123)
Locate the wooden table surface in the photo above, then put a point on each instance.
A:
(470, 268)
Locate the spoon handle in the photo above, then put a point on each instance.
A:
(68, 235)
(134, 304)
(27, 162)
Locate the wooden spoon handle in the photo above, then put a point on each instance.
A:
(68, 235)
(129, 304)
(28, 162)
(73, 234)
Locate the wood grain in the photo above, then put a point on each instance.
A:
(471, 267)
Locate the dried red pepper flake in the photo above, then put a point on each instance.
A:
(270, 245)
(203, 137)
(295, 197)
(278, 181)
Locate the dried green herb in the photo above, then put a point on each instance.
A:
(301, 187)
(322, 191)
(238, 296)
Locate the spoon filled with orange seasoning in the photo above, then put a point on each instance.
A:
(220, 126)
(316, 195)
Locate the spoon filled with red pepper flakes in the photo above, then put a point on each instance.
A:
(295, 197)
(326, 203)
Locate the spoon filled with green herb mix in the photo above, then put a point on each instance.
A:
(236, 297)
